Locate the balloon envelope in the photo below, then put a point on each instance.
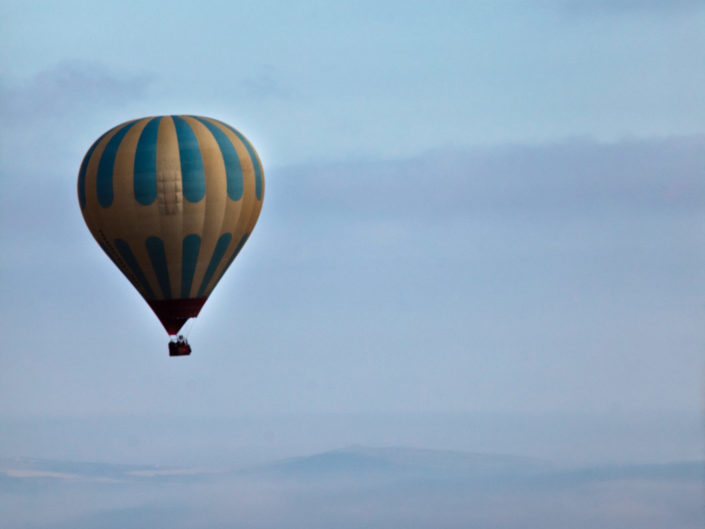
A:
(172, 200)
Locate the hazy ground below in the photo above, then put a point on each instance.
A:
(555, 470)
(354, 487)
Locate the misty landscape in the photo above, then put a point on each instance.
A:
(354, 487)
(579, 471)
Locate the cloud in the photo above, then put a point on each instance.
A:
(626, 7)
(264, 85)
(576, 177)
(44, 118)
(67, 88)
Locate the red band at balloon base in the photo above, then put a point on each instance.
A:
(173, 313)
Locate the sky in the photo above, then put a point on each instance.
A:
(471, 207)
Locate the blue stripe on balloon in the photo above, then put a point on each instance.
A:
(106, 165)
(218, 253)
(189, 259)
(129, 258)
(255, 162)
(193, 178)
(145, 172)
(233, 168)
(155, 248)
(82, 172)
(242, 242)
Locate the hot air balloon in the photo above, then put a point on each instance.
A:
(171, 200)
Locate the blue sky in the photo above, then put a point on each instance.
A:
(359, 79)
(470, 206)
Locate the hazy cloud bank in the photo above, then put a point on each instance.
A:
(50, 119)
(626, 7)
(570, 178)
(68, 90)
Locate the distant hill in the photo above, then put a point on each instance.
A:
(403, 461)
(360, 463)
